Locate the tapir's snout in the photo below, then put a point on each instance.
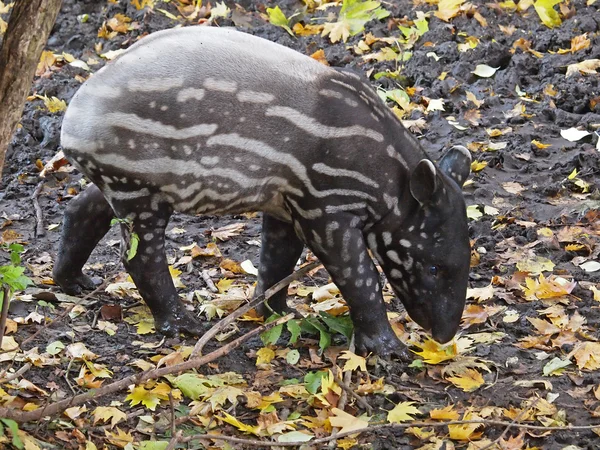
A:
(439, 318)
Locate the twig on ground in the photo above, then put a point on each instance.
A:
(175, 440)
(17, 374)
(222, 324)
(377, 428)
(39, 216)
(58, 407)
(512, 424)
(209, 283)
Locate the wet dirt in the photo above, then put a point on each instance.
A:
(547, 197)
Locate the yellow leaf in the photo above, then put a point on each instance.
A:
(478, 166)
(447, 413)
(264, 356)
(596, 293)
(210, 250)
(465, 432)
(469, 381)
(540, 145)
(587, 355)
(224, 284)
(139, 394)
(535, 265)
(434, 353)
(402, 412)
(109, 413)
(347, 422)
(447, 9)
(353, 362)
(306, 30)
(47, 60)
(319, 55)
(543, 288)
(547, 13)
(543, 327)
(53, 104)
(239, 425)
(120, 438)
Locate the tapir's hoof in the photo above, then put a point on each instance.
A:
(181, 322)
(74, 284)
(384, 345)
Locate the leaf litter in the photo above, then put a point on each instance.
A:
(530, 327)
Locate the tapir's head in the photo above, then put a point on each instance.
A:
(427, 258)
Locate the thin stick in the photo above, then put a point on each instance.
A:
(216, 329)
(371, 429)
(210, 284)
(17, 374)
(39, 215)
(58, 407)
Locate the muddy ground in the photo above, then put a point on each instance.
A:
(546, 198)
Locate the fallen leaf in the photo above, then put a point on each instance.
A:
(574, 134)
(402, 412)
(485, 71)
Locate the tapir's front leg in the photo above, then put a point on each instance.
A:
(150, 272)
(339, 244)
(280, 250)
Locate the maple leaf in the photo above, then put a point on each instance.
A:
(228, 231)
(264, 356)
(588, 66)
(546, 12)
(352, 19)
(447, 9)
(239, 425)
(347, 422)
(469, 381)
(223, 394)
(447, 413)
(467, 431)
(106, 413)
(544, 288)
(277, 18)
(120, 438)
(353, 362)
(434, 353)
(210, 250)
(139, 394)
(402, 412)
(535, 265)
(587, 355)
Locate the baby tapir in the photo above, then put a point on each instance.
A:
(207, 120)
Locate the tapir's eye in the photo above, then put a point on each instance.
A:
(433, 270)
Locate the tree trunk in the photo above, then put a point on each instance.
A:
(29, 25)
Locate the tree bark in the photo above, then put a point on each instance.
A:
(29, 25)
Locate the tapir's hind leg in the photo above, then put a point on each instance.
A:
(280, 249)
(86, 221)
(149, 268)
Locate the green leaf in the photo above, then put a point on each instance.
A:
(192, 385)
(312, 325)
(133, 246)
(555, 367)
(341, 324)
(277, 18)
(352, 19)
(270, 337)
(547, 13)
(292, 357)
(54, 348)
(14, 430)
(293, 327)
(312, 381)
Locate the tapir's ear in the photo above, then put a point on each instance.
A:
(423, 181)
(456, 163)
